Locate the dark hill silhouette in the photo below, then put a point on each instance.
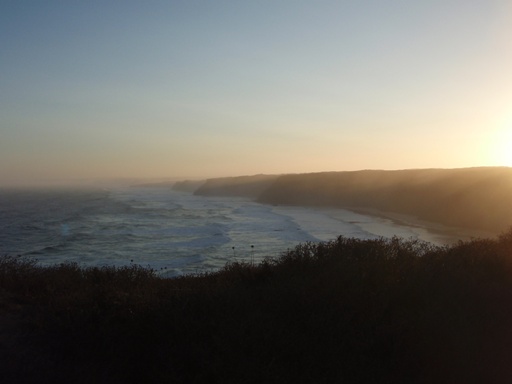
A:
(241, 186)
(188, 185)
(469, 197)
(478, 198)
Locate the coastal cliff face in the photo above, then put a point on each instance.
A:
(479, 198)
(242, 186)
(188, 185)
(470, 197)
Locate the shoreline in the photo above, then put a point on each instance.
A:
(361, 222)
(445, 234)
(327, 223)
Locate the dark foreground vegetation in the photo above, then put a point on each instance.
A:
(347, 311)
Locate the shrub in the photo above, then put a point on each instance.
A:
(348, 310)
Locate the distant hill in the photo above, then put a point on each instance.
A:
(188, 185)
(479, 198)
(241, 186)
(467, 197)
(159, 184)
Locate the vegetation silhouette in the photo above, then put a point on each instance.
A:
(348, 310)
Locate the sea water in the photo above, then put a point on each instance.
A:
(172, 232)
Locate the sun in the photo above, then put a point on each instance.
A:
(496, 145)
(502, 148)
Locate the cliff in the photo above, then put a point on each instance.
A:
(188, 185)
(241, 186)
(478, 198)
(469, 197)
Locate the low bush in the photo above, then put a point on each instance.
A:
(348, 310)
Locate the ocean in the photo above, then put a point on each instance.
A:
(172, 232)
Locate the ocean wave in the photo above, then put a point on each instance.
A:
(166, 230)
(49, 249)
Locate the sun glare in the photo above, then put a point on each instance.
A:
(499, 150)
(503, 147)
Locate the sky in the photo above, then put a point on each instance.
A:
(196, 89)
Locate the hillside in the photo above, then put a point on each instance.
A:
(241, 186)
(478, 198)
(188, 185)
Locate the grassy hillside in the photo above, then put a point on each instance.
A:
(354, 311)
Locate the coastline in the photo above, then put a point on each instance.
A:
(443, 233)
(327, 223)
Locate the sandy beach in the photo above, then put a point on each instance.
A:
(428, 231)
(327, 223)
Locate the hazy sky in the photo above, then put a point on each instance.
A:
(217, 88)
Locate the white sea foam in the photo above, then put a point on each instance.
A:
(172, 232)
